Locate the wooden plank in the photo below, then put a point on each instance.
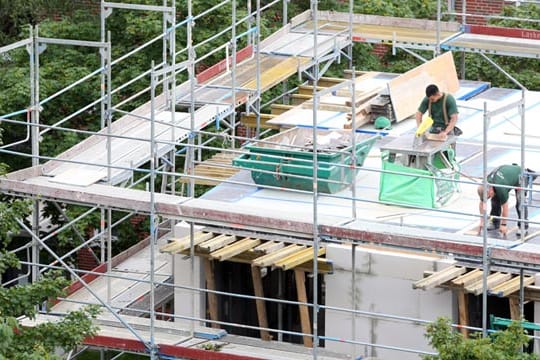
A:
(179, 245)
(463, 309)
(297, 99)
(250, 120)
(468, 278)
(493, 280)
(510, 287)
(362, 97)
(217, 242)
(532, 293)
(324, 266)
(308, 89)
(277, 73)
(269, 259)
(260, 303)
(439, 278)
(277, 109)
(408, 89)
(234, 249)
(305, 322)
(329, 81)
(361, 119)
(212, 297)
(515, 309)
(298, 258)
(269, 246)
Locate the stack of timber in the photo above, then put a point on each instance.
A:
(382, 106)
(214, 170)
(249, 120)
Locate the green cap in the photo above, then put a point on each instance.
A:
(383, 123)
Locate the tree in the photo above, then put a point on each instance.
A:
(502, 345)
(39, 342)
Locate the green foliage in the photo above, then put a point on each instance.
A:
(16, 342)
(20, 13)
(451, 345)
(41, 341)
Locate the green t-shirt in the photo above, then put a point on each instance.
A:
(504, 175)
(437, 110)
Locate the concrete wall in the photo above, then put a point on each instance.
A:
(187, 303)
(383, 284)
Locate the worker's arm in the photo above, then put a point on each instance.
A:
(418, 117)
(451, 123)
(482, 207)
(504, 215)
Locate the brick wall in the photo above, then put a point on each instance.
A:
(479, 7)
(86, 259)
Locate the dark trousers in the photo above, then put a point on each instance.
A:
(496, 211)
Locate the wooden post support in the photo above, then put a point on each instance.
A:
(463, 309)
(212, 297)
(261, 305)
(305, 322)
(515, 310)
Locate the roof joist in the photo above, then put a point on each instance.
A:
(256, 252)
(471, 281)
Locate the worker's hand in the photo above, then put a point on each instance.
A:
(479, 231)
(503, 229)
(442, 136)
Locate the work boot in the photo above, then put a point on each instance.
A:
(525, 232)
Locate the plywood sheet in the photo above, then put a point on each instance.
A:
(408, 90)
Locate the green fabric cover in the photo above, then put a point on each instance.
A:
(408, 188)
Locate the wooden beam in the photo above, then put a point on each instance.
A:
(468, 278)
(278, 109)
(509, 287)
(217, 243)
(439, 277)
(260, 303)
(532, 293)
(515, 309)
(493, 280)
(269, 246)
(300, 278)
(234, 249)
(270, 259)
(463, 309)
(250, 120)
(179, 245)
(308, 89)
(298, 99)
(298, 258)
(329, 81)
(324, 266)
(212, 297)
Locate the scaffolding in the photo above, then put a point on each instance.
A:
(147, 144)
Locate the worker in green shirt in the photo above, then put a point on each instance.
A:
(443, 110)
(508, 177)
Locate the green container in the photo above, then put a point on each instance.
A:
(286, 159)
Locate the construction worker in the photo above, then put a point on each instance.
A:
(509, 176)
(443, 110)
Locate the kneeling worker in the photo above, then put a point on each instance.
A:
(509, 177)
